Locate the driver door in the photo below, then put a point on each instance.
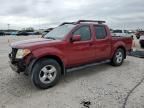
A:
(81, 52)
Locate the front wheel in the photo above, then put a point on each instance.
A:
(118, 57)
(46, 73)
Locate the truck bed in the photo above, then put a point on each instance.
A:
(126, 40)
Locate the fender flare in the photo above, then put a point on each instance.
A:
(47, 53)
(119, 45)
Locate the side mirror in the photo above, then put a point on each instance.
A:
(76, 38)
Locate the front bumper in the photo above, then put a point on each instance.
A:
(17, 65)
(13, 67)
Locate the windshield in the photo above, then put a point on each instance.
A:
(59, 32)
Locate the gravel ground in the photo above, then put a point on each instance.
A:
(102, 86)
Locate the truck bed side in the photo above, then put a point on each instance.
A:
(125, 42)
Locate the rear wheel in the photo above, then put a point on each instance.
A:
(46, 73)
(118, 57)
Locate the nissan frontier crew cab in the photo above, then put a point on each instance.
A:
(72, 44)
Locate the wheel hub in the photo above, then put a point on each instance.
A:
(119, 57)
(47, 74)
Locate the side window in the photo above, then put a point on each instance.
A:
(100, 32)
(84, 32)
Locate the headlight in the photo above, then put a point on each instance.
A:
(22, 53)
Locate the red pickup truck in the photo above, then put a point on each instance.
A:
(72, 44)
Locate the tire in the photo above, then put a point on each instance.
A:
(118, 57)
(46, 73)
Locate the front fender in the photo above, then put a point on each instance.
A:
(42, 52)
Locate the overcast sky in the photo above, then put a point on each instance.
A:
(48, 13)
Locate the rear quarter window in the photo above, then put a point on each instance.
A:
(100, 32)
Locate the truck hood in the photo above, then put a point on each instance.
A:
(34, 43)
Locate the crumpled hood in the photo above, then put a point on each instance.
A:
(32, 43)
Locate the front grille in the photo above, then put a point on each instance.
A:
(13, 54)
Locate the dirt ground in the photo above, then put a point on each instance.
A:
(101, 86)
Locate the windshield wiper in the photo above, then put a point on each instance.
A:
(50, 38)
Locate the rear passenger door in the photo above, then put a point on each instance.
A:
(102, 43)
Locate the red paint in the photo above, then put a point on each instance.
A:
(79, 52)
